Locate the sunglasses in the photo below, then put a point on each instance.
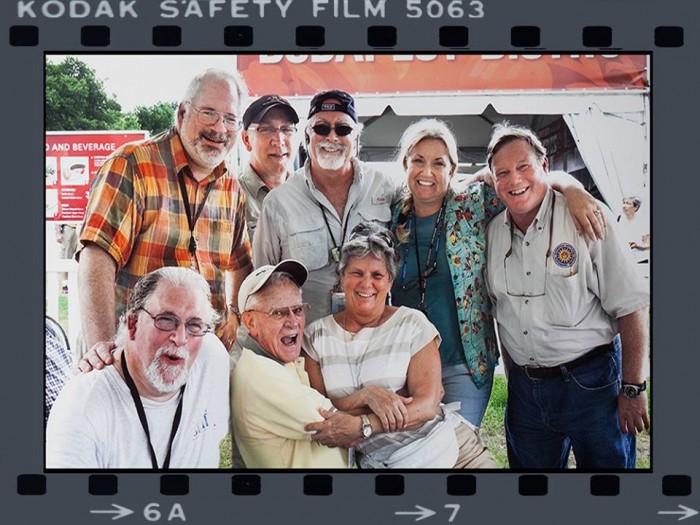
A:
(342, 130)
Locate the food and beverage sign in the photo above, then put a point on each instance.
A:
(71, 161)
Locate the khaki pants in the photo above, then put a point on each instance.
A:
(472, 452)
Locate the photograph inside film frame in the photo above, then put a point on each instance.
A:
(347, 262)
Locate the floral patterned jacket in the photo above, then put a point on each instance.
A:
(467, 215)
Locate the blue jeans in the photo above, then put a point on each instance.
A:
(545, 418)
(459, 386)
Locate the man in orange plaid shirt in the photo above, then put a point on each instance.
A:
(169, 201)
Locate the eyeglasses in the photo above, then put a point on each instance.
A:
(546, 258)
(279, 314)
(270, 131)
(169, 322)
(209, 117)
(342, 130)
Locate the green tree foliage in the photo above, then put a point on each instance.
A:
(76, 100)
(155, 118)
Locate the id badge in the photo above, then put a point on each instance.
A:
(337, 302)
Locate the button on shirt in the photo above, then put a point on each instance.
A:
(552, 310)
(292, 226)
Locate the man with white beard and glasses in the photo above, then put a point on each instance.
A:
(164, 403)
(309, 217)
(168, 201)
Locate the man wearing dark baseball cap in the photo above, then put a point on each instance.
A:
(269, 134)
(309, 217)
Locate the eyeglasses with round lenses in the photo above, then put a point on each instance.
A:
(169, 322)
(271, 131)
(279, 314)
(209, 117)
(342, 130)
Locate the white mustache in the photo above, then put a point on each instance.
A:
(330, 146)
(172, 350)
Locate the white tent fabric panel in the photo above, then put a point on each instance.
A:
(615, 149)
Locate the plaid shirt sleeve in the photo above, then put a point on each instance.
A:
(112, 217)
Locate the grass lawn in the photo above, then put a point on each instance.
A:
(492, 431)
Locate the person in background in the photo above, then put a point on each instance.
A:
(67, 238)
(168, 201)
(269, 135)
(634, 228)
(441, 229)
(59, 363)
(560, 301)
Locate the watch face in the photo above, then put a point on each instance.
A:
(630, 391)
(367, 431)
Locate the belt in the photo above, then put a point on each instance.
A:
(541, 372)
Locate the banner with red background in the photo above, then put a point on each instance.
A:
(304, 75)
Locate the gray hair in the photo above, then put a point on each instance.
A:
(146, 286)
(369, 238)
(275, 279)
(233, 78)
(505, 133)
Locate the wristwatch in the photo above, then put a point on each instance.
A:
(632, 390)
(366, 426)
(234, 310)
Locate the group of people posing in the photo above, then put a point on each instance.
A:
(337, 317)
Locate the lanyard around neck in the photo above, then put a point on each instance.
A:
(335, 251)
(144, 422)
(191, 221)
(430, 260)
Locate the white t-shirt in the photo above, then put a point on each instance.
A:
(94, 423)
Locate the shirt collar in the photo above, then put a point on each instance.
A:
(253, 182)
(252, 345)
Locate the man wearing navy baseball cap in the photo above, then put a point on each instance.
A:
(270, 135)
(309, 217)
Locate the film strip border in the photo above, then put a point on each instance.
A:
(379, 37)
(384, 484)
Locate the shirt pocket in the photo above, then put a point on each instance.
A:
(309, 245)
(565, 298)
(379, 213)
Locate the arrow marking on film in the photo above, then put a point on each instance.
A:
(422, 513)
(119, 511)
(686, 512)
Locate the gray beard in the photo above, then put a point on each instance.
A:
(330, 162)
(166, 378)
